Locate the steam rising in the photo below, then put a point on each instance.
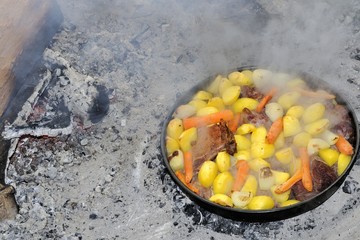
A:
(300, 35)
(304, 35)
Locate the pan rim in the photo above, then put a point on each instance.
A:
(274, 214)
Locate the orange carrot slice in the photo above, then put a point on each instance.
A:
(181, 177)
(344, 146)
(213, 118)
(188, 166)
(265, 99)
(241, 174)
(306, 176)
(275, 130)
(234, 123)
(290, 182)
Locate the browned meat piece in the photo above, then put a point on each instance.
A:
(251, 92)
(300, 193)
(340, 116)
(323, 176)
(210, 141)
(258, 119)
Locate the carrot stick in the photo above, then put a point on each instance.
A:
(241, 174)
(265, 100)
(213, 118)
(317, 94)
(275, 130)
(306, 176)
(181, 177)
(234, 123)
(290, 182)
(344, 146)
(188, 166)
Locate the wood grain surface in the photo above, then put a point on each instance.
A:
(26, 28)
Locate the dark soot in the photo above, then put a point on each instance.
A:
(100, 106)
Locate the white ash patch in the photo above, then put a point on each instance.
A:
(115, 186)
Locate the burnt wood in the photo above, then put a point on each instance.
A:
(27, 27)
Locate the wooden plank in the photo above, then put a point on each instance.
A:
(26, 28)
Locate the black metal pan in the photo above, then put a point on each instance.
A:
(276, 213)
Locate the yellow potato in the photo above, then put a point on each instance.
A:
(231, 94)
(207, 173)
(294, 166)
(291, 126)
(313, 112)
(242, 155)
(249, 74)
(206, 111)
(223, 161)
(262, 150)
(198, 104)
(289, 203)
(302, 139)
(242, 103)
(223, 183)
(202, 95)
(239, 78)
(171, 145)
(317, 127)
(280, 177)
(343, 163)
(250, 185)
(242, 143)
(223, 85)
(175, 128)
(280, 141)
(216, 102)
(288, 99)
(222, 199)
(295, 111)
(258, 163)
(282, 197)
(261, 203)
(187, 138)
(245, 128)
(329, 155)
(296, 83)
(214, 85)
(285, 155)
(258, 135)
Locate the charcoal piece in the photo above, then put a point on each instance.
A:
(355, 54)
(100, 105)
(212, 140)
